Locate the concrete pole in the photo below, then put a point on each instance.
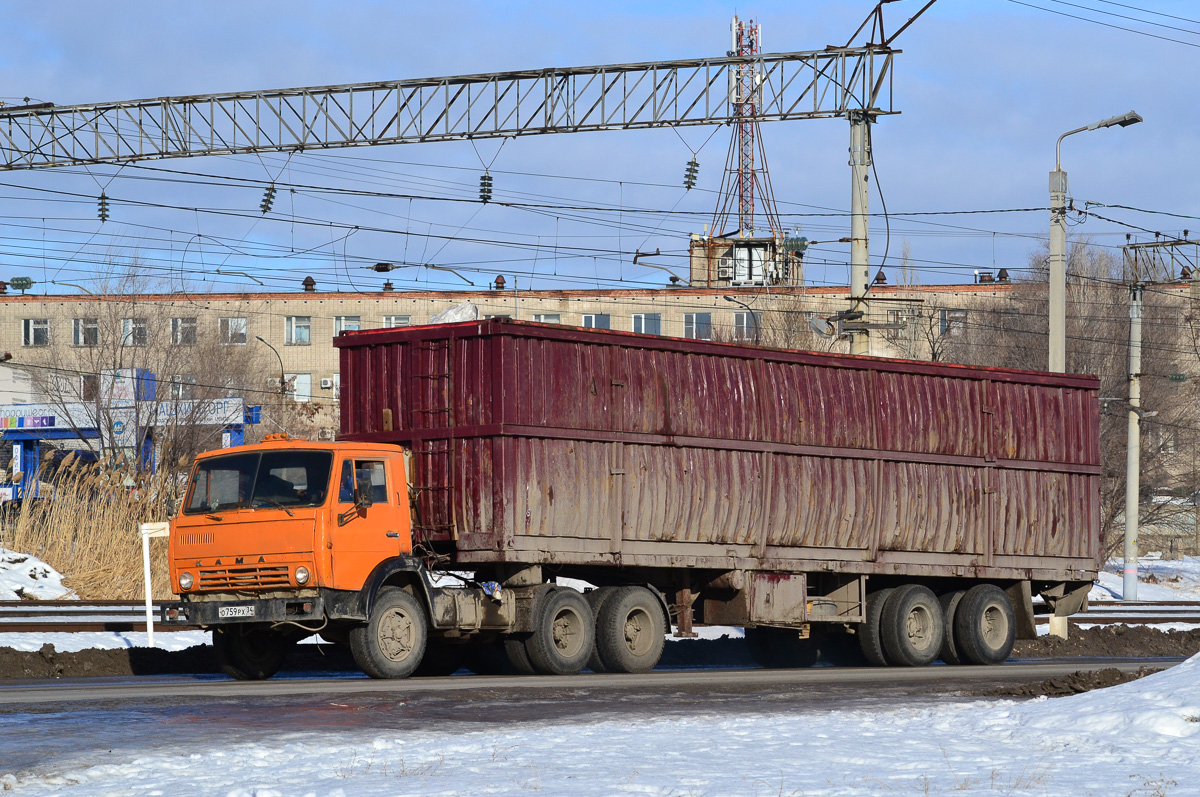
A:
(1133, 461)
(1058, 271)
(860, 265)
(1193, 313)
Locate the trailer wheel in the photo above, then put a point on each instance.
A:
(911, 627)
(249, 652)
(630, 631)
(950, 601)
(392, 643)
(564, 633)
(985, 625)
(596, 599)
(781, 648)
(868, 631)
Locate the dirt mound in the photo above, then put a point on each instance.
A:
(1100, 642)
(1072, 684)
(1112, 641)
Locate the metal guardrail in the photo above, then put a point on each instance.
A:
(73, 616)
(1134, 613)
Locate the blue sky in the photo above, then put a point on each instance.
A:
(984, 89)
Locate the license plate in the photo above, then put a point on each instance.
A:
(235, 611)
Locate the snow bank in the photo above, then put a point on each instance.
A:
(23, 576)
(1138, 738)
(1158, 580)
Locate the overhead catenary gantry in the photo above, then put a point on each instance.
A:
(800, 85)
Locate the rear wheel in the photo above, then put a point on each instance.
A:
(392, 643)
(596, 599)
(249, 652)
(950, 603)
(985, 625)
(868, 631)
(911, 627)
(630, 631)
(518, 655)
(564, 633)
(781, 648)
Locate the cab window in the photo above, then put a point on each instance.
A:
(362, 471)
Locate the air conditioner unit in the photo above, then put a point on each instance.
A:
(325, 434)
(327, 384)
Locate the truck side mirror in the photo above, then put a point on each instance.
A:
(362, 497)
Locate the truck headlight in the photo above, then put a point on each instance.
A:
(301, 575)
(185, 580)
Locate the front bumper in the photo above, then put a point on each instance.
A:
(267, 610)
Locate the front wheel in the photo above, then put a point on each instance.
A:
(249, 652)
(392, 643)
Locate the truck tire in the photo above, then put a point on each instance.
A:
(564, 633)
(781, 648)
(392, 642)
(950, 601)
(517, 654)
(869, 641)
(249, 652)
(911, 626)
(596, 599)
(985, 625)
(630, 631)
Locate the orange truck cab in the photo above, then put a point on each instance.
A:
(287, 538)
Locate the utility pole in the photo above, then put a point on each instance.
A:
(1133, 450)
(1193, 312)
(860, 266)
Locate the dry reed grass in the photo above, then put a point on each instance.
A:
(85, 526)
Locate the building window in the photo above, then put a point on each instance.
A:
(548, 318)
(697, 326)
(897, 323)
(647, 323)
(346, 323)
(89, 387)
(86, 332)
(392, 321)
(952, 323)
(183, 331)
(183, 387)
(747, 326)
(299, 387)
(35, 332)
(134, 332)
(597, 321)
(297, 330)
(233, 331)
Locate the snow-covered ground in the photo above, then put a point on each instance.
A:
(1140, 738)
(23, 576)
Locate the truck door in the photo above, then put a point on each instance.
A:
(363, 539)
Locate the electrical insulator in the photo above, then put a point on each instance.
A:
(102, 208)
(689, 174)
(485, 187)
(268, 199)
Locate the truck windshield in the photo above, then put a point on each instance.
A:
(260, 480)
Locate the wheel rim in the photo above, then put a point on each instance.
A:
(919, 628)
(639, 632)
(994, 625)
(397, 634)
(567, 632)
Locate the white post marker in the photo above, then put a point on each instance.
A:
(149, 530)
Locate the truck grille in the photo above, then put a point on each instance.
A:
(243, 577)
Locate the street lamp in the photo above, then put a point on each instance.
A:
(1058, 242)
(749, 312)
(282, 382)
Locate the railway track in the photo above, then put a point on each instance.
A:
(118, 616)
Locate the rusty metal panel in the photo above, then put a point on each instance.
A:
(573, 440)
(778, 598)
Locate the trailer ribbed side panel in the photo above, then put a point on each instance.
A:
(542, 443)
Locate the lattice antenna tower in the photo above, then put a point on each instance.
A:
(746, 179)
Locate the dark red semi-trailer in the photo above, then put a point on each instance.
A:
(801, 495)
